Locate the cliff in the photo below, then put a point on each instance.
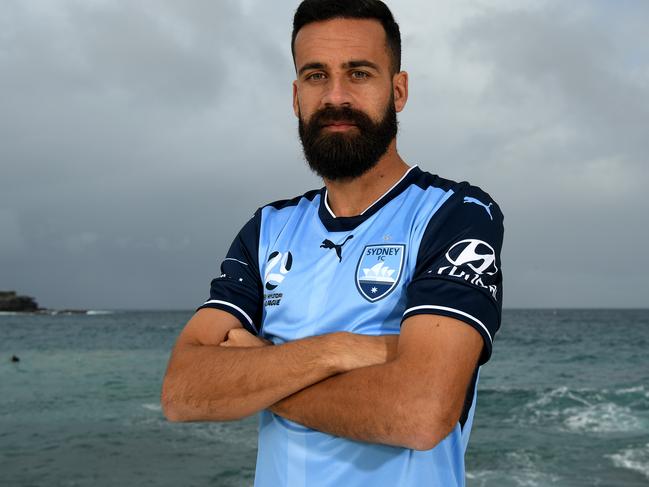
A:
(10, 301)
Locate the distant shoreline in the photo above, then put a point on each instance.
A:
(55, 312)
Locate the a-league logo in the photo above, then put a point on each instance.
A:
(273, 278)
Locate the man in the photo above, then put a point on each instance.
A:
(354, 318)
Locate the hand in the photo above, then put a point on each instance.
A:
(238, 337)
(356, 350)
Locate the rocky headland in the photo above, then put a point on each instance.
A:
(10, 301)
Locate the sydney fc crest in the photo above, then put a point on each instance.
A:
(378, 270)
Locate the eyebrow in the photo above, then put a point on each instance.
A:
(361, 63)
(309, 66)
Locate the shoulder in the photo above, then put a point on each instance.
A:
(276, 215)
(460, 196)
(279, 205)
(462, 189)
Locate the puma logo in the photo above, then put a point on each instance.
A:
(468, 199)
(328, 244)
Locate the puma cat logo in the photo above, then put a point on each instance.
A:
(328, 244)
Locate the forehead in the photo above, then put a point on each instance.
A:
(339, 40)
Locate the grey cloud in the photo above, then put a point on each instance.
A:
(566, 60)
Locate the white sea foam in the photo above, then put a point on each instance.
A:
(522, 471)
(631, 390)
(602, 418)
(553, 395)
(98, 312)
(585, 411)
(233, 433)
(633, 459)
(641, 390)
(152, 406)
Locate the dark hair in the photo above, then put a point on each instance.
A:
(320, 10)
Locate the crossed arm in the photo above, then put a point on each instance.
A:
(406, 391)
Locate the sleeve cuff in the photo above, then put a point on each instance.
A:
(467, 318)
(234, 310)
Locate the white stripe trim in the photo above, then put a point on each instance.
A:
(216, 301)
(452, 310)
(236, 260)
(327, 204)
(393, 186)
(375, 201)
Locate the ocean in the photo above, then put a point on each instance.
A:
(564, 401)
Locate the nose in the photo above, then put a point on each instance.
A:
(337, 93)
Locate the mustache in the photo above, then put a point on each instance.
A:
(329, 115)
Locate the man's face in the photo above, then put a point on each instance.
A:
(345, 96)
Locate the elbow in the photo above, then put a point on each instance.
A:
(426, 431)
(172, 409)
(423, 441)
(179, 407)
(176, 407)
(173, 414)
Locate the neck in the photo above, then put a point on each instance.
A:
(352, 197)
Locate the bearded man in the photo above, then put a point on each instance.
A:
(352, 319)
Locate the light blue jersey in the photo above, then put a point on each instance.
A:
(428, 246)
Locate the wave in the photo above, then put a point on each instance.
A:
(237, 433)
(553, 395)
(602, 418)
(95, 312)
(636, 459)
(597, 411)
(636, 390)
(152, 406)
(522, 471)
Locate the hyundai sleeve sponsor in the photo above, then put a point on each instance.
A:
(470, 259)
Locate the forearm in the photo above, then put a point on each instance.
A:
(373, 404)
(413, 401)
(213, 383)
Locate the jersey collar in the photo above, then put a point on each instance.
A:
(345, 223)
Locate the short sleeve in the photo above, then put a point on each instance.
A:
(238, 289)
(458, 270)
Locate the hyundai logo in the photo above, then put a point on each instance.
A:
(478, 255)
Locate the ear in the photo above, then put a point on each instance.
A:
(296, 102)
(400, 87)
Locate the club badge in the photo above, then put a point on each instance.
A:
(378, 270)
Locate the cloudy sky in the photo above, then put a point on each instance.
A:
(137, 136)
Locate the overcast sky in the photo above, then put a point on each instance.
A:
(136, 137)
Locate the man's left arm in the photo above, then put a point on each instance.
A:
(413, 401)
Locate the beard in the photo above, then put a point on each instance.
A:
(338, 156)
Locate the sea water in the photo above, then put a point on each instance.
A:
(564, 401)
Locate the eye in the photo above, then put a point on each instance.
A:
(360, 75)
(315, 76)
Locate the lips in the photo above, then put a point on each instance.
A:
(339, 123)
(340, 119)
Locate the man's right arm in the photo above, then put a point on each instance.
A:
(207, 382)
